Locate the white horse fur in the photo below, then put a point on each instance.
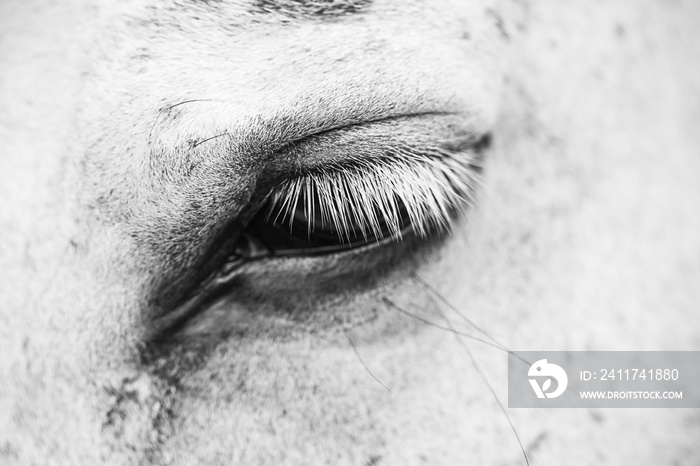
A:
(131, 131)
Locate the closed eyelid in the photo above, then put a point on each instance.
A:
(182, 130)
(204, 195)
(407, 140)
(260, 162)
(285, 144)
(435, 138)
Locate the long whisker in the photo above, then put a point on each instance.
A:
(441, 327)
(168, 108)
(490, 387)
(199, 143)
(497, 344)
(459, 335)
(447, 303)
(443, 300)
(352, 343)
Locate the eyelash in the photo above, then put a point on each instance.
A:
(358, 195)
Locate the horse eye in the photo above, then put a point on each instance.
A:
(398, 193)
(344, 206)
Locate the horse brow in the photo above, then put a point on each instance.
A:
(320, 10)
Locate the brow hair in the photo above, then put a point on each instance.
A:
(323, 10)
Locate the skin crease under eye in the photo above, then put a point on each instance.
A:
(585, 235)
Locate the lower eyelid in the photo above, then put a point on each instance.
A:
(256, 291)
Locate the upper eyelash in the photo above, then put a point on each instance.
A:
(352, 195)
